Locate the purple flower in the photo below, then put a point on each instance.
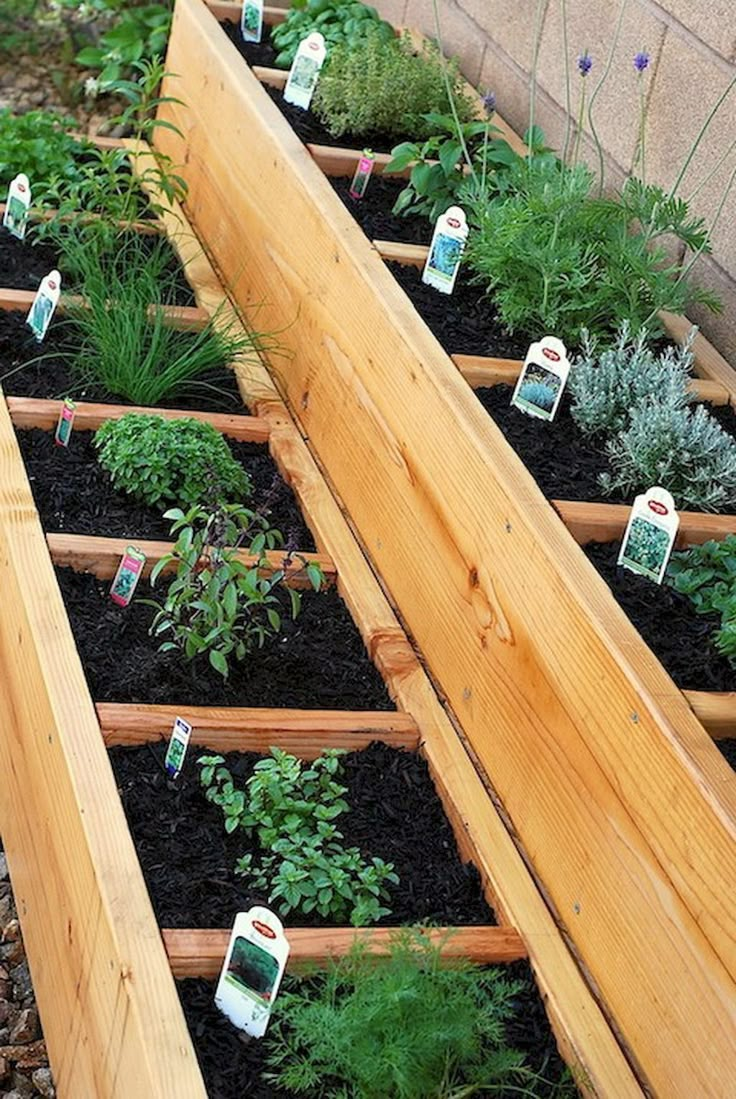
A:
(641, 61)
(585, 63)
(489, 103)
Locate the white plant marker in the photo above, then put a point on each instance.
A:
(251, 20)
(177, 749)
(17, 205)
(252, 971)
(542, 381)
(650, 534)
(44, 305)
(445, 251)
(304, 73)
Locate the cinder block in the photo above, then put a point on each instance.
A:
(511, 88)
(712, 21)
(510, 23)
(460, 36)
(393, 10)
(720, 328)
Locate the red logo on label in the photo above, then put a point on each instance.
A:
(52, 285)
(660, 509)
(264, 929)
(314, 45)
(453, 222)
(21, 186)
(550, 354)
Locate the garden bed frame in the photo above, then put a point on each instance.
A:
(99, 963)
(618, 797)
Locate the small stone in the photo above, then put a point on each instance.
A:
(25, 1028)
(5, 1010)
(21, 978)
(3, 867)
(23, 1085)
(44, 1083)
(12, 952)
(4, 1069)
(11, 931)
(29, 1056)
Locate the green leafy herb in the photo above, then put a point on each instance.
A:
(38, 144)
(139, 33)
(339, 21)
(706, 574)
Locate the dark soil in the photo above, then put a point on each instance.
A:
(308, 127)
(373, 211)
(464, 322)
(255, 53)
(317, 662)
(564, 462)
(232, 1066)
(727, 749)
(51, 377)
(73, 493)
(680, 638)
(395, 814)
(24, 263)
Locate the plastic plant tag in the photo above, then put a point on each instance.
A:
(304, 73)
(65, 423)
(15, 218)
(127, 576)
(178, 744)
(252, 970)
(251, 20)
(362, 174)
(542, 380)
(445, 251)
(44, 304)
(650, 534)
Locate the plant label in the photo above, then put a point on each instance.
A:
(650, 534)
(15, 218)
(251, 20)
(127, 576)
(304, 73)
(362, 174)
(65, 423)
(445, 251)
(177, 749)
(542, 380)
(44, 305)
(252, 970)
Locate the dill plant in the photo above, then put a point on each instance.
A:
(410, 1027)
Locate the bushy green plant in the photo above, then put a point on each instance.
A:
(139, 33)
(217, 604)
(646, 545)
(38, 144)
(339, 21)
(557, 258)
(683, 449)
(387, 86)
(606, 384)
(412, 1027)
(291, 810)
(706, 574)
(126, 346)
(159, 461)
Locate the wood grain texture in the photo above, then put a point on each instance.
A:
(184, 317)
(110, 1014)
(27, 412)
(607, 522)
(716, 710)
(200, 953)
(586, 741)
(304, 733)
(582, 1031)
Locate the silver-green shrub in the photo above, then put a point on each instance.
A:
(683, 449)
(607, 385)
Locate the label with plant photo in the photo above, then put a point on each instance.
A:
(17, 205)
(542, 380)
(362, 174)
(65, 423)
(251, 973)
(445, 251)
(44, 305)
(650, 534)
(177, 749)
(127, 576)
(251, 20)
(304, 73)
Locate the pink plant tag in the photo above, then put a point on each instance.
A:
(127, 576)
(362, 174)
(65, 423)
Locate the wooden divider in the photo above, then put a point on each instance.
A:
(184, 317)
(585, 739)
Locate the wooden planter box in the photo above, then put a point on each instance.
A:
(102, 969)
(622, 805)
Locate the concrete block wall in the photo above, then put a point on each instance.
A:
(692, 44)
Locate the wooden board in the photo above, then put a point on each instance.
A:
(185, 317)
(587, 743)
(607, 522)
(195, 953)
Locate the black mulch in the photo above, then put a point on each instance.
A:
(395, 815)
(308, 127)
(233, 1066)
(464, 322)
(73, 492)
(317, 662)
(373, 211)
(51, 375)
(728, 750)
(564, 462)
(679, 637)
(255, 53)
(24, 263)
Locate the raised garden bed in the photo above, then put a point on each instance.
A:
(546, 676)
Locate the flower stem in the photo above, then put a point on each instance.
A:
(596, 91)
(694, 147)
(533, 85)
(568, 99)
(581, 116)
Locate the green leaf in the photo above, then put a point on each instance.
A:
(218, 662)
